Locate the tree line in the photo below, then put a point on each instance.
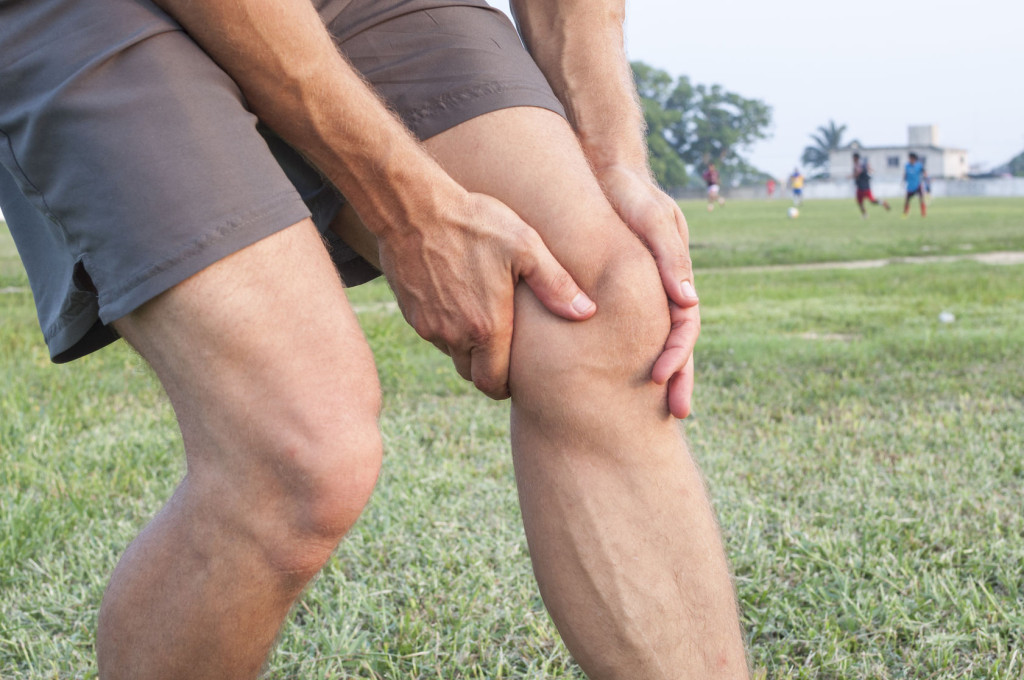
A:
(690, 125)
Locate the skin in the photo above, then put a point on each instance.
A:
(489, 261)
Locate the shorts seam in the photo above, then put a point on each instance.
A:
(27, 183)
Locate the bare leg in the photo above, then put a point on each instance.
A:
(277, 398)
(623, 540)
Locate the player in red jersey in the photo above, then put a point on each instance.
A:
(710, 177)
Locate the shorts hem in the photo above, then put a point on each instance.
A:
(80, 335)
(232, 236)
(457, 108)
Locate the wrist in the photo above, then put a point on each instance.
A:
(408, 194)
(619, 169)
(615, 152)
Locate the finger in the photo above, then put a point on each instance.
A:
(549, 280)
(484, 366)
(657, 219)
(671, 253)
(443, 347)
(463, 362)
(489, 366)
(670, 362)
(680, 391)
(682, 338)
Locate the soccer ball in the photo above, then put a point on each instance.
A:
(793, 212)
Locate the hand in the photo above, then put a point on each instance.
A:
(455, 278)
(658, 221)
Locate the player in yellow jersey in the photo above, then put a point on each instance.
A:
(796, 183)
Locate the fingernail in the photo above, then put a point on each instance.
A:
(687, 289)
(582, 304)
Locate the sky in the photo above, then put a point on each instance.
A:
(876, 66)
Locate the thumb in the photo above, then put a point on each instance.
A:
(550, 282)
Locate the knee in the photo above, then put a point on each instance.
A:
(325, 486)
(632, 331)
(312, 470)
(610, 356)
(329, 475)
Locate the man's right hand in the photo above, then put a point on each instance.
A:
(455, 281)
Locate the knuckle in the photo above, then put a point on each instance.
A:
(561, 283)
(480, 332)
(523, 241)
(684, 261)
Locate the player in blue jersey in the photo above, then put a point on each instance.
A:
(914, 175)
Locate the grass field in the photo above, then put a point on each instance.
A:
(866, 462)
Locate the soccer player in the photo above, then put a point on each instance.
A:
(796, 184)
(711, 179)
(202, 179)
(862, 179)
(915, 176)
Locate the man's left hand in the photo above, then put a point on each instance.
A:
(657, 220)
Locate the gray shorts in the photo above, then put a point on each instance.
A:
(130, 162)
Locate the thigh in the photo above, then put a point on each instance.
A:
(259, 350)
(530, 159)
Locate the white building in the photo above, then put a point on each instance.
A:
(887, 162)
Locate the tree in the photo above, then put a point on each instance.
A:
(689, 125)
(829, 138)
(1016, 165)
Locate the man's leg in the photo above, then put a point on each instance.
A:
(623, 539)
(277, 398)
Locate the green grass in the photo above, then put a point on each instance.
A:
(760, 233)
(865, 459)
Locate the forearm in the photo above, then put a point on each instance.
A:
(579, 46)
(294, 79)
